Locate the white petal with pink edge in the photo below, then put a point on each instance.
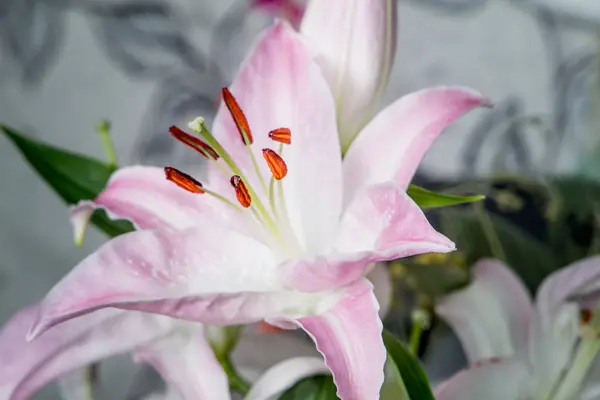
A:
(145, 266)
(349, 337)
(27, 366)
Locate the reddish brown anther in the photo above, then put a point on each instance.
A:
(238, 116)
(276, 164)
(194, 143)
(241, 191)
(585, 316)
(281, 135)
(183, 180)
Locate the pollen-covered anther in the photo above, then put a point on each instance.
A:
(183, 180)
(238, 117)
(194, 143)
(241, 191)
(281, 135)
(276, 164)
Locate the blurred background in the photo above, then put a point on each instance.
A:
(148, 64)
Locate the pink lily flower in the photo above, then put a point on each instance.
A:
(177, 349)
(355, 45)
(520, 350)
(292, 249)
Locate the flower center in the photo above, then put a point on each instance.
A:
(273, 217)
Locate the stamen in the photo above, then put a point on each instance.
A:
(244, 129)
(183, 180)
(194, 143)
(281, 135)
(241, 192)
(262, 211)
(238, 117)
(276, 164)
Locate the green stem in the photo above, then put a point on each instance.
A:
(489, 232)
(103, 129)
(236, 382)
(415, 338)
(420, 321)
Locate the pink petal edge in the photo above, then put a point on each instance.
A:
(151, 265)
(383, 223)
(393, 144)
(349, 337)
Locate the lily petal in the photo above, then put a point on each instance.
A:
(355, 42)
(27, 367)
(393, 144)
(349, 337)
(590, 389)
(491, 316)
(580, 279)
(383, 223)
(496, 380)
(551, 345)
(160, 265)
(279, 85)
(187, 363)
(284, 375)
(143, 196)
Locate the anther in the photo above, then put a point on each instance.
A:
(585, 316)
(183, 180)
(276, 164)
(238, 117)
(194, 143)
(241, 191)
(281, 135)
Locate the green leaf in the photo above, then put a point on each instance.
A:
(318, 387)
(428, 199)
(72, 176)
(393, 387)
(414, 377)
